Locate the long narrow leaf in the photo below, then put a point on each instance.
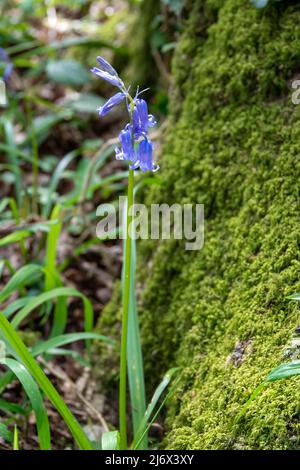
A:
(254, 394)
(33, 393)
(51, 295)
(64, 162)
(60, 312)
(11, 407)
(16, 438)
(135, 358)
(134, 350)
(51, 247)
(151, 407)
(295, 296)
(37, 373)
(5, 433)
(284, 371)
(68, 338)
(14, 237)
(22, 277)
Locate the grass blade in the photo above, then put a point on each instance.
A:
(51, 248)
(68, 338)
(135, 358)
(146, 422)
(255, 393)
(37, 373)
(60, 312)
(14, 237)
(33, 393)
(16, 438)
(134, 350)
(284, 371)
(11, 407)
(5, 433)
(53, 294)
(281, 372)
(295, 296)
(21, 278)
(64, 162)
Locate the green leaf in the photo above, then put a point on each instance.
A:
(86, 103)
(5, 379)
(16, 305)
(61, 311)
(110, 440)
(58, 172)
(53, 294)
(138, 437)
(5, 433)
(254, 394)
(284, 371)
(67, 339)
(51, 248)
(295, 296)
(22, 277)
(14, 237)
(52, 278)
(11, 407)
(134, 357)
(33, 393)
(67, 72)
(281, 372)
(16, 438)
(37, 373)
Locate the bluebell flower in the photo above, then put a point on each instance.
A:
(139, 125)
(145, 157)
(127, 150)
(112, 79)
(106, 66)
(141, 119)
(9, 66)
(113, 101)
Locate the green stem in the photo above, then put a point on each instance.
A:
(126, 301)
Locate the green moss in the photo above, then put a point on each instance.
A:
(233, 145)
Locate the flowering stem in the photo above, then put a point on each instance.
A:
(126, 300)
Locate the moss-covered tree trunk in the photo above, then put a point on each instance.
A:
(222, 312)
